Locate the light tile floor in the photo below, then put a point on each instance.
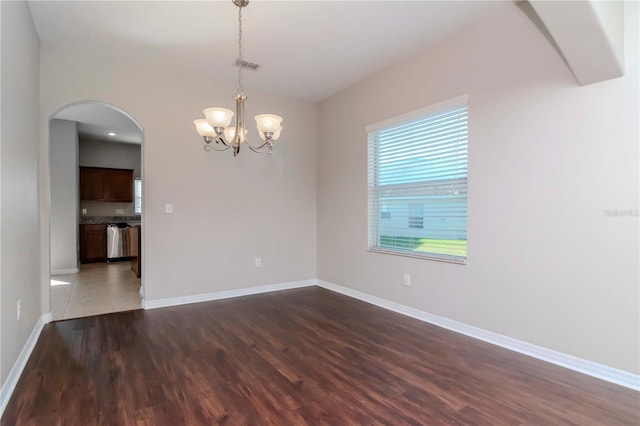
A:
(98, 288)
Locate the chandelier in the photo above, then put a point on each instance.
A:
(217, 128)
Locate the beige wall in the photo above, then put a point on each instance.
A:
(547, 160)
(63, 160)
(96, 153)
(19, 230)
(227, 211)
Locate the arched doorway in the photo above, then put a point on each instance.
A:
(95, 167)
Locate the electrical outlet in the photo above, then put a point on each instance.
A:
(84, 211)
(407, 280)
(19, 308)
(168, 208)
(119, 211)
(258, 262)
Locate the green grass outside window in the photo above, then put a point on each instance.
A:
(425, 245)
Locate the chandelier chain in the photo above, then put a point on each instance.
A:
(240, 89)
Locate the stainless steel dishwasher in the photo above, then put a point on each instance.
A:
(117, 246)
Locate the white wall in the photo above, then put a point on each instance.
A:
(64, 196)
(548, 160)
(96, 153)
(19, 223)
(227, 211)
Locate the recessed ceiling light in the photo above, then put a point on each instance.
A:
(111, 134)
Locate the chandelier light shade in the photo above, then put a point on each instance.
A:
(268, 123)
(217, 129)
(230, 134)
(218, 117)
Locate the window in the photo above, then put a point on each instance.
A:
(418, 183)
(137, 194)
(416, 216)
(385, 213)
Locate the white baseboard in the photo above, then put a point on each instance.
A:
(14, 375)
(600, 371)
(64, 271)
(227, 294)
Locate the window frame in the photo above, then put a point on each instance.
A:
(373, 228)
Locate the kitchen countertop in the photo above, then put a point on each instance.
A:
(131, 220)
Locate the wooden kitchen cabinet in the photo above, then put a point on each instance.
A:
(93, 243)
(120, 185)
(93, 184)
(106, 185)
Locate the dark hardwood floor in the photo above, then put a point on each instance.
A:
(306, 356)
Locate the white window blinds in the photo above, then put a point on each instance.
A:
(137, 190)
(418, 183)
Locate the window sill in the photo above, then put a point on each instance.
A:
(455, 260)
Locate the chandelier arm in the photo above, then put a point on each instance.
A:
(257, 148)
(265, 147)
(213, 147)
(259, 151)
(220, 139)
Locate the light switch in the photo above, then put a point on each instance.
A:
(168, 208)
(119, 211)
(84, 211)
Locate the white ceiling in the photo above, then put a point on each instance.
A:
(307, 49)
(96, 120)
